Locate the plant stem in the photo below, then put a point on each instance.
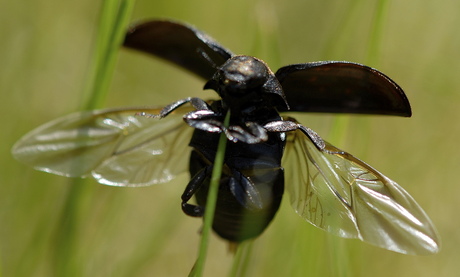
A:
(373, 50)
(198, 268)
(112, 26)
(241, 260)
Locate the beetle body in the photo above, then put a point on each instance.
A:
(252, 184)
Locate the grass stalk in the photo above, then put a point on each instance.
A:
(112, 26)
(339, 253)
(376, 32)
(198, 268)
(241, 260)
(111, 30)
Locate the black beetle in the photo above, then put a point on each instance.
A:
(330, 188)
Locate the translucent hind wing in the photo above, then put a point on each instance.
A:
(343, 195)
(116, 146)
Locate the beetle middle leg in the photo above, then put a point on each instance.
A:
(192, 187)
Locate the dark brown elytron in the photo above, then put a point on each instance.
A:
(267, 152)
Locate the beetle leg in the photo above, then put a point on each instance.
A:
(192, 187)
(207, 120)
(287, 125)
(245, 191)
(197, 103)
(251, 133)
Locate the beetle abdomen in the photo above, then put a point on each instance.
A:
(251, 185)
(241, 212)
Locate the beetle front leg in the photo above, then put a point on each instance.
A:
(209, 121)
(197, 103)
(204, 120)
(292, 125)
(192, 187)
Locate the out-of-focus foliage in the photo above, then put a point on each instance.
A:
(45, 53)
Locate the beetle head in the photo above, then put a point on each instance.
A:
(245, 78)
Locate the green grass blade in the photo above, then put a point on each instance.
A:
(198, 268)
(112, 26)
(340, 253)
(241, 260)
(376, 34)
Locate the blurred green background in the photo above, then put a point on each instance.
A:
(45, 53)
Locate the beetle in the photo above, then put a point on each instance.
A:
(330, 188)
